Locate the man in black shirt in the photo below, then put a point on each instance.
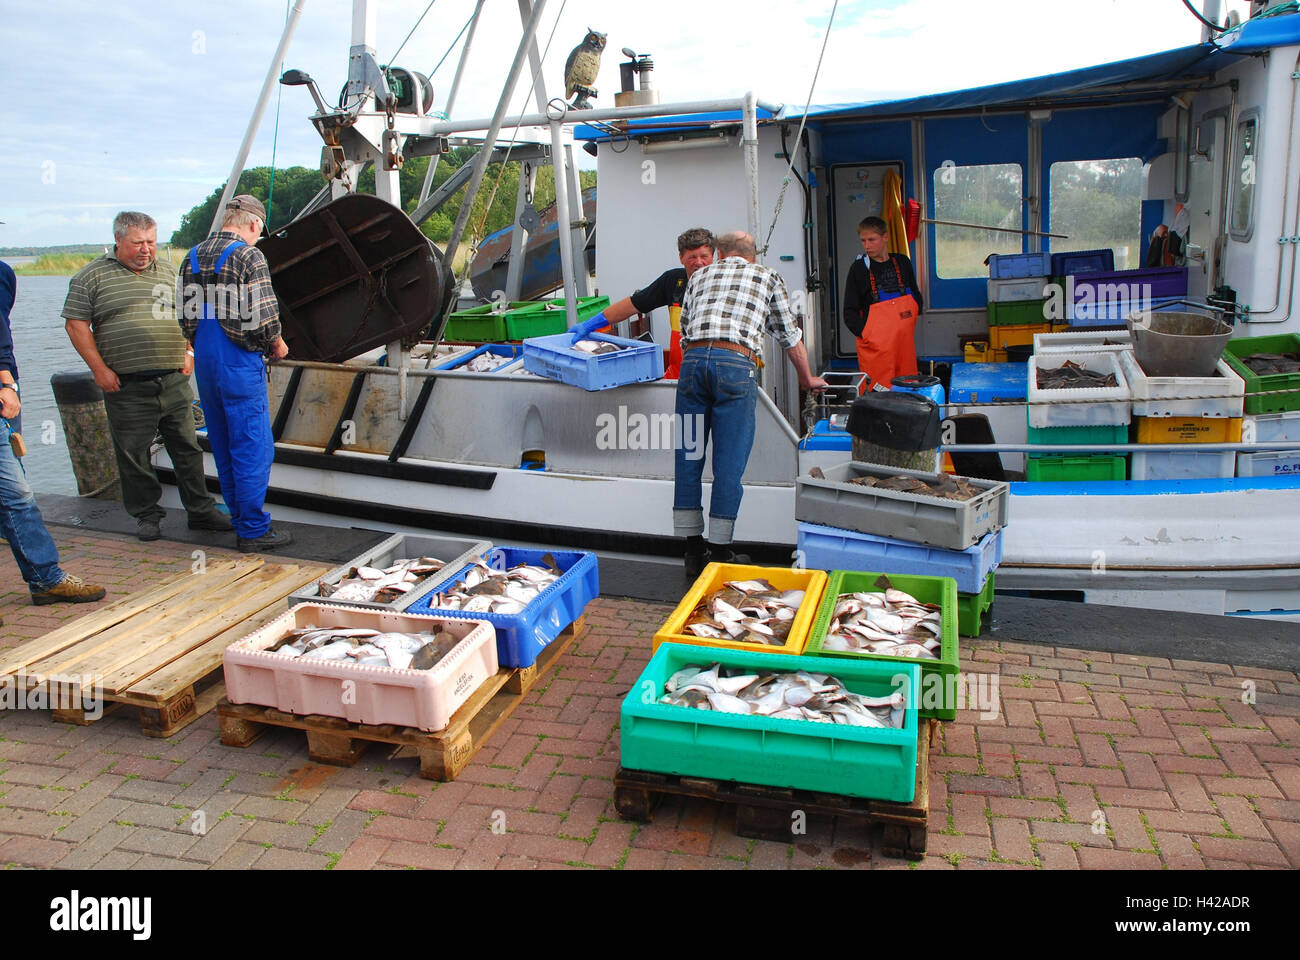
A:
(881, 304)
(694, 249)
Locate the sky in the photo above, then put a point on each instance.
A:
(144, 106)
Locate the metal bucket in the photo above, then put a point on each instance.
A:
(1178, 344)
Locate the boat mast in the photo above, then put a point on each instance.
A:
(272, 75)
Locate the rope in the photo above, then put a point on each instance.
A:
(487, 207)
(413, 29)
(275, 135)
(780, 200)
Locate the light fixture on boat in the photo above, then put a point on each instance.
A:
(299, 78)
(1040, 116)
(681, 142)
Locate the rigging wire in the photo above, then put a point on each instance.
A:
(776, 213)
(275, 136)
(1197, 14)
(487, 207)
(390, 60)
(452, 46)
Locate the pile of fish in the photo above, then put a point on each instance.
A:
(890, 622)
(1073, 376)
(597, 347)
(1266, 363)
(486, 363)
(940, 485)
(797, 695)
(365, 647)
(371, 585)
(484, 590)
(750, 611)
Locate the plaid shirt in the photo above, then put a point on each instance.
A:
(735, 300)
(243, 298)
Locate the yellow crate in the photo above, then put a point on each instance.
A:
(812, 582)
(976, 352)
(1015, 336)
(1188, 429)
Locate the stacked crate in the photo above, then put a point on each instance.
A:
(1084, 423)
(1184, 410)
(1016, 303)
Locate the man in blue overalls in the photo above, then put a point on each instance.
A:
(228, 311)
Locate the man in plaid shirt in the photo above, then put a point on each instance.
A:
(726, 309)
(228, 310)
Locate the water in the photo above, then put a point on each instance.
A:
(43, 349)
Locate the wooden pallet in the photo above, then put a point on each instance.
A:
(158, 650)
(768, 812)
(442, 754)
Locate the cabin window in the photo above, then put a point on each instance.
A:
(988, 195)
(1243, 179)
(1097, 204)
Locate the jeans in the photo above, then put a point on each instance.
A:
(232, 390)
(21, 523)
(137, 413)
(718, 388)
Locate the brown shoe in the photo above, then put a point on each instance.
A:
(71, 590)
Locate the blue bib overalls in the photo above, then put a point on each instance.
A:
(232, 391)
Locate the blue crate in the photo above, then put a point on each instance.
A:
(1112, 313)
(511, 350)
(1082, 261)
(826, 437)
(832, 548)
(1019, 266)
(984, 382)
(521, 637)
(553, 357)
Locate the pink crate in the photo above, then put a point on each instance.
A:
(425, 699)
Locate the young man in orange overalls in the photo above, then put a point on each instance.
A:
(881, 305)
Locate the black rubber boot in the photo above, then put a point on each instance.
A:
(722, 553)
(697, 555)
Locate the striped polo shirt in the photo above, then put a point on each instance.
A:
(131, 315)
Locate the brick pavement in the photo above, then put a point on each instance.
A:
(1093, 761)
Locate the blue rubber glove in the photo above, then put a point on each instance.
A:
(588, 326)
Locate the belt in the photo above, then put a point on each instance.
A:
(726, 345)
(147, 374)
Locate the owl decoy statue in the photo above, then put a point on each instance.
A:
(581, 68)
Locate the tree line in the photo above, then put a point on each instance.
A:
(294, 187)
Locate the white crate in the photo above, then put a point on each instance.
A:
(1184, 396)
(1017, 291)
(425, 699)
(1278, 463)
(1110, 406)
(1192, 465)
(1113, 341)
(1268, 427)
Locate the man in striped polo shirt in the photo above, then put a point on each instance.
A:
(120, 316)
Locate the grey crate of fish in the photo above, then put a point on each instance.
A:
(834, 501)
(453, 552)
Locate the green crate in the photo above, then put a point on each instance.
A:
(549, 317)
(1249, 346)
(481, 324)
(803, 754)
(1016, 313)
(1047, 469)
(938, 677)
(1083, 435)
(972, 607)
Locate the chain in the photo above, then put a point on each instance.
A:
(528, 183)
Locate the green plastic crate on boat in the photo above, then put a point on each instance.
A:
(803, 754)
(1242, 347)
(938, 695)
(1111, 433)
(483, 324)
(1017, 313)
(1049, 469)
(549, 316)
(972, 608)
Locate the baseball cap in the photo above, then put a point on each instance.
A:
(249, 204)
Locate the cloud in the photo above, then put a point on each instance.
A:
(149, 110)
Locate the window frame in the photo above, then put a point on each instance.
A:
(1252, 115)
(1054, 225)
(935, 173)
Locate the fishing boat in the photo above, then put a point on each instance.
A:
(382, 436)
